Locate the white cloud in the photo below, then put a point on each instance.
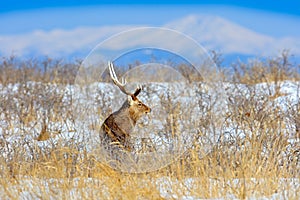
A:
(57, 43)
(212, 32)
(218, 33)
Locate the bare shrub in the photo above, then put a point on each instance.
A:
(256, 156)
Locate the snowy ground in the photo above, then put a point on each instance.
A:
(81, 110)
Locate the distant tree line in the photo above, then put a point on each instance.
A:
(47, 70)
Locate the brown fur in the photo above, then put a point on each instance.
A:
(117, 127)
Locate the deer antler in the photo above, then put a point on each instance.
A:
(123, 82)
(114, 77)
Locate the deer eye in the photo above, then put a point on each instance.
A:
(140, 104)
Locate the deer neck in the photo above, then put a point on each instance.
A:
(131, 115)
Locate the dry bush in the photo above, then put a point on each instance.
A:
(14, 70)
(270, 70)
(257, 154)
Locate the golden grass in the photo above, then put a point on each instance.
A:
(215, 176)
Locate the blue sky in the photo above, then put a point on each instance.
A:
(291, 7)
(72, 28)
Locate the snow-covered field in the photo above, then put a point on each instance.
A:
(38, 120)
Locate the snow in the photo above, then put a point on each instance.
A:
(91, 105)
(99, 95)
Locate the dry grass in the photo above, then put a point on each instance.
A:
(256, 158)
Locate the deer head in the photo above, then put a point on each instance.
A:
(136, 108)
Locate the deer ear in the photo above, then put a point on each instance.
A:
(137, 91)
(131, 99)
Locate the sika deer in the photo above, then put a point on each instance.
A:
(117, 127)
